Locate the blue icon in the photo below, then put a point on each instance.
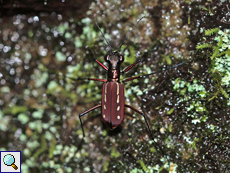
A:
(9, 160)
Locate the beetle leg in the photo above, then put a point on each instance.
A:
(132, 78)
(151, 135)
(144, 118)
(95, 107)
(129, 67)
(100, 80)
(106, 68)
(146, 75)
(77, 79)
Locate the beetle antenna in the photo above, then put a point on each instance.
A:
(104, 37)
(129, 33)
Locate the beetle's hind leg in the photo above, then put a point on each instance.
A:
(150, 132)
(95, 107)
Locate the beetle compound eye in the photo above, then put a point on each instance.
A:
(106, 58)
(121, 58)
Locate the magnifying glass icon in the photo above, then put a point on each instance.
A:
(9, 160)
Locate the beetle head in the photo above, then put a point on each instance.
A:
(114, 60)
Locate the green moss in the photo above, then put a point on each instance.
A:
(115, 153)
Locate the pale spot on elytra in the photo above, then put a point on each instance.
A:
(106, 88)
(117, 88)
(118, 117)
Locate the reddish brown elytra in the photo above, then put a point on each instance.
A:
(112, 111)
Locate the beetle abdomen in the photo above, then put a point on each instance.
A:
(112, 104)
